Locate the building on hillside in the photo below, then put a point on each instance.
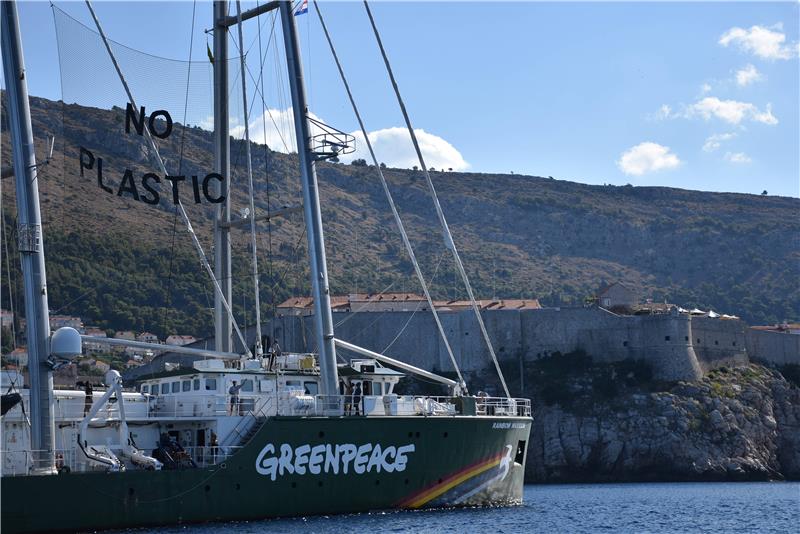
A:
(299, 306)
(617, 296)
(783, 328)
(125, 334)
(6, 319)
(147, 337)
(60, 321)
(179, 340)
(392, 302)
(397, 302)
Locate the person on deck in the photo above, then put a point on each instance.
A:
(234, 393)
(357, 398)
(89, 400)
(214, 447)
(348, 399)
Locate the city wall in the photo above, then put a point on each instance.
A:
(677, 346)
(519, 336)
(779, 348)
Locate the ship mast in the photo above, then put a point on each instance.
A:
(313, 217)
(31, 244)
(222, 219)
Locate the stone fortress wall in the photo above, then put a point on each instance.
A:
(678, 346)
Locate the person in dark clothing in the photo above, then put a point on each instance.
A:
(89, 400)
(214, 447)
(348, 399)
(357, 398)
(234, 393)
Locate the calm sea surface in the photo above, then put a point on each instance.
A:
(708, 507)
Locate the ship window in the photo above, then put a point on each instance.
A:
(211, 384)
(164, 388)
(311, 388)
(176, 387)
(145, 389)
(196, 384)
(293, 384)
(247, 385)
(186, 386)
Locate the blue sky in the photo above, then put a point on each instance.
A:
(691, 95)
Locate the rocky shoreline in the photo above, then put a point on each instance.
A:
(733, 424)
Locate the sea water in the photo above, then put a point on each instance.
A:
(651, 508)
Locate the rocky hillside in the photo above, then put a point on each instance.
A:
(126, 264)
(735, 424)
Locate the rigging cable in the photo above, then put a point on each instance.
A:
(267, 160)
(168, 290)
(157, 156)
(242, 59)
(448, 237)
(389, 197)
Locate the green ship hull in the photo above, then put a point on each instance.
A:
(293, 466)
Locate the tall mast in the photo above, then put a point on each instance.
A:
(316, 243)
(222, 218)
(31, 244)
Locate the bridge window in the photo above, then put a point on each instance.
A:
(196, 384)
(186, 386)
(176, 387)
(164, 388)
(145, 389)
(211, 384)
(247, 385)
(311, 388)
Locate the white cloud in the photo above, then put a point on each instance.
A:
(663, 113)
(760, 41)
(705, 88)
(647, 157)
(738, 158)
(715, 141)
(393, 147)
(730, 111)
(747, 75)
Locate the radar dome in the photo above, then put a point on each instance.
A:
(111, 377)
(66, 343)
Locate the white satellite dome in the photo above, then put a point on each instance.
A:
(66, 343)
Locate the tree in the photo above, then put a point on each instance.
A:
(383, 165)
(334, 159)
(764, 193)
(360, 162)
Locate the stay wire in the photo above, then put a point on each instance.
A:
(448, 237)
(390, 199)
(168, 291)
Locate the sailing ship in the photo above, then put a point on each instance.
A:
(238, 436)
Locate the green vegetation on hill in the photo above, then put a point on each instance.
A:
(109, 258)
